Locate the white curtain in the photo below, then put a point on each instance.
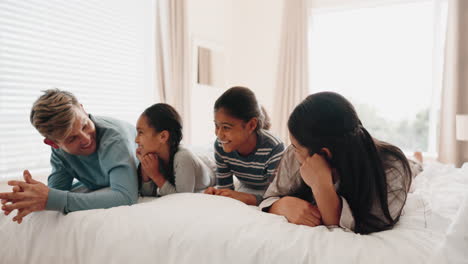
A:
(292, 77)
(172, 57)
(455, 83)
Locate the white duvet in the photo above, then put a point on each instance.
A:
(198, 228)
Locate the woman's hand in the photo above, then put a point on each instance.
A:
(150, 169)
(316, 172)
(297, 211)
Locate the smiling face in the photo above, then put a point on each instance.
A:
(148, 139)
(232, 133)
(81, 138)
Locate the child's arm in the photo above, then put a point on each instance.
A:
(297, 211)
(146, 186)
(317, 174)
(185, 168)
(286, 180)
(224, 178)
(150, 164)
(150, 169)
(167, 188)
(329, 204)
(246, 198)
(277, 201)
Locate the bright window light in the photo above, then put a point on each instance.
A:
(382, 59)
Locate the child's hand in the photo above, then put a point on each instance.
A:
(215, 191)
(211, 190)
(144, 176)
(297, 211)
(150, 168)
(243, 197)
(315, 171)
(246, 198)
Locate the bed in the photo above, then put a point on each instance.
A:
(198, 228)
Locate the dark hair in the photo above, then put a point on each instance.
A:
(164, 117)
(241, 103)
(328, 120)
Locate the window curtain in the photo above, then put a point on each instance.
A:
(454, 98)
(292, 75)
(172, 57)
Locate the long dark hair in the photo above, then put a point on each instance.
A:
(328, 120)
(164, 117)
(241, 103)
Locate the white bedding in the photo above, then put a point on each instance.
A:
(198, 228)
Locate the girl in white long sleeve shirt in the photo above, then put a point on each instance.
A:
(166, 167)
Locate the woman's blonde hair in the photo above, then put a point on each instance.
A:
(53, 113)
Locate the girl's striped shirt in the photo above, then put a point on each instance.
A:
(256, 170)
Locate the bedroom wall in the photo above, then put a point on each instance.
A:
(247, 33)
(209, 24)
(255, 45)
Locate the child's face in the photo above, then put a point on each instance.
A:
(148, 140)
(232, 133)
(300, 152)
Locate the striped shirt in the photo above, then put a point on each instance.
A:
(256, 170)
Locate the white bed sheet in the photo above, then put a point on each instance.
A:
(198, 228)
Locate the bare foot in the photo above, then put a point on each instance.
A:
(418, 156)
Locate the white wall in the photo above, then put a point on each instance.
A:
(255, 45)
(248, 32)
(208, 24)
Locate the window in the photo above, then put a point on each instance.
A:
(99, 50)
(384, 59)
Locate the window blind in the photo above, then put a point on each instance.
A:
(102, 51)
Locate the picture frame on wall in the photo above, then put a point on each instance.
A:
(208, 61)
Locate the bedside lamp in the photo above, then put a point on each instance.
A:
(462, 127)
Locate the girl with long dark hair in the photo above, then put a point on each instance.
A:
(166, 167)
(335, 173)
